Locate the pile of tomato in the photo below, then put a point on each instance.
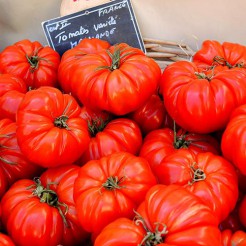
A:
(99, 146)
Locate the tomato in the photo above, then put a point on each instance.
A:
(152, 115)
(12, 91)
(37, 65)
(237, 238)
(107, 137)
(51, 133)
(118, 79)
(109, 188)
(42, 211)
(5, 240)
(169, 216)
(162, 142)
(226, 54)
(202, 101)
(13, 164)
(212, 178)
(234, 139)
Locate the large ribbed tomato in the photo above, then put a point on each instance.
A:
(227, 54)
(233, 140)
(210, 177)
(202, 101)
(109, 188)
(50, 131)
(118, 79)
(169, 215)
(42, 211)
(13, 163)
(36, 64)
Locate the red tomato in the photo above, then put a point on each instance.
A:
(51, 133)
(13, 164)
(5, 240)
(202, 101)
(162, 142)
(202, 175)
(37, 65)
(109, 188)
(226, 54)
(118, 79)
(12, 91)
(212, 178)
(169, 215)
(42, 213)
(237, 238)
(152, 115)
(234, 139)
(120, 134)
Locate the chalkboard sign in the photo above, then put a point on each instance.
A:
(114, 22)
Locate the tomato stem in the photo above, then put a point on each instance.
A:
(197, 174)
(61, 122)
(113, 183)
(222, 61)
(50, 197)
(151, 238)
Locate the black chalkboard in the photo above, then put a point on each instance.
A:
(114, 22)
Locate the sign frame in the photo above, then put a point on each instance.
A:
(114, 22)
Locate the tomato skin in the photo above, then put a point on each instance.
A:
(52, 133)
(5, 240)
(217, 178)
(237, 238)
(190, 222)
(126, 84)
(162, 142)
(40, 69)
(13, 164)
(233, 139)
(97, 204)
(120, 134)
(152, 115)
(202, 105)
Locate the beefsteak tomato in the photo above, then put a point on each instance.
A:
(109, 188)
(210, 177)
(230, 238)
(36, 64)
(51, 133)
(118, 79)
(202, 101)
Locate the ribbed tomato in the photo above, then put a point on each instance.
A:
(51, 133)
(109, 188)
(36, 64)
